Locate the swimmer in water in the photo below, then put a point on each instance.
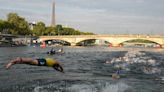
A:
(116, 75)
(60, 51)
(51, 52)
(38, 62)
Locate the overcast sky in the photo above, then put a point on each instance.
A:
(97, 16)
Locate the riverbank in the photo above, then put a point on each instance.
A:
(11, 44)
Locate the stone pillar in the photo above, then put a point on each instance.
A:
(115, 45)
(162, 46)
(73, 44)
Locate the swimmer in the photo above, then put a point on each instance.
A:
(38, 62)
(52, 51)
(60, 51)
(115, 76)
(118, 72)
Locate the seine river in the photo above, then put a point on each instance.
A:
(86, 70)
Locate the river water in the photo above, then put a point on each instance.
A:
(86, 70)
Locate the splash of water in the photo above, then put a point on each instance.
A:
(118, 87)
(146, 64)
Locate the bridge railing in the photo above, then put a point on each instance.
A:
(129, 35)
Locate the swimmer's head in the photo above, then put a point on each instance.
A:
(58, 67)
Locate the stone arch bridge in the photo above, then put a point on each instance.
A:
(115, 40)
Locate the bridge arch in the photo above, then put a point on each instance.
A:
(57, 41)
(93, 40)
(140, 42)
(118, 41)
(152, 40)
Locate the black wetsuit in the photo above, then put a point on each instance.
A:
(41, 62)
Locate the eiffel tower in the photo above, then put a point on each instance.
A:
(53, 15)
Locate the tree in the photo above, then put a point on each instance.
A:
(68, 31)
(20, 25)
(50, 31)
(58, 29)
(1, 25)
(39, 29)
(5, 26)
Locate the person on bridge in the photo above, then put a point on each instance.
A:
(39, 62)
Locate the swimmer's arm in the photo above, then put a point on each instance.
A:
(21, 61)
(29, 61)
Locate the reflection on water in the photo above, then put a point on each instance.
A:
(88, 69)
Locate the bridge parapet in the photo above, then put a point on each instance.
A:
(113, 39)
(84, 36)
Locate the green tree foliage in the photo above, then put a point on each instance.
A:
(59, 30)
(5, 26)
(1, 25)
(87, 33)
(19, 25)
(50, 31)
(69, 31)
(39, 29)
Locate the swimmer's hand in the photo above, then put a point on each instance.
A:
(8, 65)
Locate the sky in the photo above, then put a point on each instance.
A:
(97, 16)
